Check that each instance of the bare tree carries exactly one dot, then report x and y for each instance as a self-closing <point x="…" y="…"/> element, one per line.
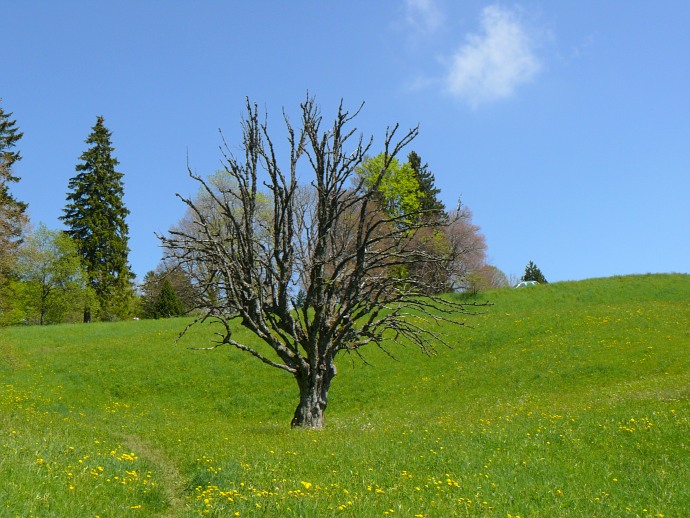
<point x="468" y="246"/>
<point x="330" y="239"/>
<point x="486" y="277"/>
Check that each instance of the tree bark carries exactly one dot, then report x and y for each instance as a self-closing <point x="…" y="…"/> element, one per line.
<point x="313" y="396"/>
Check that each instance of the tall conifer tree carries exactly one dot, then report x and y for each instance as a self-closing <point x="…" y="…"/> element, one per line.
<point x="95" y="214"/>
<point x="429" y="192"/>
<point x="13" y="216"/>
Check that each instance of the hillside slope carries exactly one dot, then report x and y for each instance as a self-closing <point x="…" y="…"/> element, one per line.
<point x="567" y="399"/>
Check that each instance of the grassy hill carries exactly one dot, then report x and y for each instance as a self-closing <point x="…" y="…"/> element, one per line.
<point x="568" y="399"/>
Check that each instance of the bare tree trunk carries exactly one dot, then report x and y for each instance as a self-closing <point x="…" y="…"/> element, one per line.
<point x="313" y="396"/>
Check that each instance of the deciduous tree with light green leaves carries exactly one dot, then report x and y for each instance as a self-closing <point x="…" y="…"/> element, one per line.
<point x="55" y="287"/>
<point x="398" y="188"/>
<point x="95" y="216"/>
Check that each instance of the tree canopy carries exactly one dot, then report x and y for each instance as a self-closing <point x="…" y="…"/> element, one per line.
<point x="396" y="186"/>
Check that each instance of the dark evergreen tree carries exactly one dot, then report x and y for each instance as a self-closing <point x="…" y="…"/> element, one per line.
<point x="149" y="291"/>
<point x="300" y="299"/>
<point x="168" y="303"/>
<point x="152" y="286"/>
<point x="429" y="199"/>
<point x="431" y="241"/>
<point x="95" y="215"/>
<point x="13" y="216"/>
<point x="533" y="273"/>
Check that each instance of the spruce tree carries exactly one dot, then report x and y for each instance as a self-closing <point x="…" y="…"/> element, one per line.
<point x="13" y="218"/>
<point x="429" y="192"/>
<point x="95" y="215"/>
<point x="168" y="303"/>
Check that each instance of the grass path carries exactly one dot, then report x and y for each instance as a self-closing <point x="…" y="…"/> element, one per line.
<point x="174" y="483"/>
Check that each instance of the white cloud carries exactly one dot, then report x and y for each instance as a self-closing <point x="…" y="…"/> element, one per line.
<point x="492" y="64"/>
<point x="423" y="15"/>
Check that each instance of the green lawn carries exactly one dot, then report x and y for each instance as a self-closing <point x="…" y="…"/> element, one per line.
<point x="568" y="399"/>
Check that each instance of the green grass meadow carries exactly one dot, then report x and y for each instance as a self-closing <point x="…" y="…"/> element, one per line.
<point x="567" y="399"/>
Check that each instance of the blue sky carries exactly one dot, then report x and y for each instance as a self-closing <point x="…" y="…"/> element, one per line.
<point x="564" y="126"/>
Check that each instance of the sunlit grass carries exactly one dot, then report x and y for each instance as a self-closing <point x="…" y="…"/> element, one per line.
<point x="568" y="399"/>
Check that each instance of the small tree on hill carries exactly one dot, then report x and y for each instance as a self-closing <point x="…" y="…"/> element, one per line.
<point x="338" y="249"/>
<point x="300" y="299"/>
<point x="95" y="216"/>
<point x="486" y="277"/>
<point x="533" y="273"/>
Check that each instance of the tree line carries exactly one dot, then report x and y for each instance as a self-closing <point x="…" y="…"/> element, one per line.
<point x="82" y="272"/>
